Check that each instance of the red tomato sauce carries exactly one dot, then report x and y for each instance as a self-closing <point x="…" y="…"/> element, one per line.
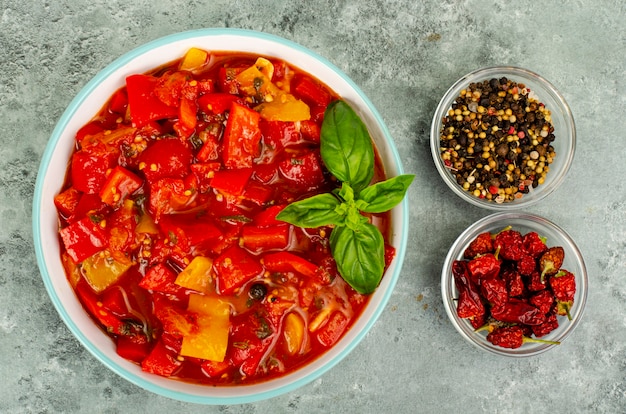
<point x="167" y="221"/>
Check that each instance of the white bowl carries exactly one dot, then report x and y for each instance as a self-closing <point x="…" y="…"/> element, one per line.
<point x="52" y="174"/>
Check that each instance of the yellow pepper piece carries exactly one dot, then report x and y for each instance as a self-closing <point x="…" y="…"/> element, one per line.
<point x="194" y="59"/>
<point x="146" y="225"/>
<point x="293" y="333"/>
<point x="253" y="82"/>
<point x="102" y="270"/>
<point x="277" y="104"/>
<point x="286" y="108"/>
<point x="197" y="275"/>
<point x="210" y="340"/>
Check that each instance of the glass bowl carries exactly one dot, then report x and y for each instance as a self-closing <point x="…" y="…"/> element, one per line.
<point x="51" y="176"/>
<point x="564" y="144"/>
<point x="524" y="223"/>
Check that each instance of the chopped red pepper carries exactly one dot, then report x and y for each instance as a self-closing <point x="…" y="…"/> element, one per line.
<point x="331" y="332"/>
<point x="196" y="229"/>
<point x="241" y="137"/>
<point x="90" y="300"/>
<point x="134" y="347"/>
<point x="161" y="361"/>
<point x="119" y="185"/>
<point x="267" y="217"/>
<point x="67" y="201"/>
<point x="265" y="238"/>
<point x="217" y="103"/>
<point x="161" y="278"/>
<point x="227" y="79"/>
<point x="234" y="267"/>
<point x="303" y="170"/>
<point x="258" y="193"/>
<point x="83" y="239"/>
<point x="145" y="106"/>
<point x="231" y="182"/>
<point x="119" y="102"/>
<point x="290" y="262"/>
<point x="168" y="195"/>
<point x="310" y="92"/>
<point x="204" y="174"/>
<point x="89" y="170"/>
<point x="187" y="119"/>
<point x="310" y="130"/>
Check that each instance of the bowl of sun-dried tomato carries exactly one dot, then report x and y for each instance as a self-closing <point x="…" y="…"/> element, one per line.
<point x="219" y="216"/>
<point x="503" y="138"/>
<point x="514" y="284"/>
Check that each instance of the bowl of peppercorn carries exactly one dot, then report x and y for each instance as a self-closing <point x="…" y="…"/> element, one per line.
<point x="503" y="138"/>
<point x="514" y="284"/>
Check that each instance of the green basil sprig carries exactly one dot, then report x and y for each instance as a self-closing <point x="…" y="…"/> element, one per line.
<point x="357" y="246"/>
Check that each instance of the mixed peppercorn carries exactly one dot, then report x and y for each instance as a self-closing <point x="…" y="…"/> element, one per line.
<point x="497" y="140"/>
<point x="513" y="286"/>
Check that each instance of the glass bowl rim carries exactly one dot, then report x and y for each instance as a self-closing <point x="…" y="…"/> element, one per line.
<point x="461" y="242"/>
<point x="483" y="73"/>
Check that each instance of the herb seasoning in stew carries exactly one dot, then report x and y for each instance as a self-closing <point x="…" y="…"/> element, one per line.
<point x="168" y="221"/>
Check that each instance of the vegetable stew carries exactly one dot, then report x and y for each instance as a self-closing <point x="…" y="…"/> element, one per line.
<point x="168" y="228"/>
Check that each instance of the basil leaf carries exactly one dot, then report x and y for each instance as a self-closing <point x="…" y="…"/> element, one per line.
<point x="384" y="195"/>
<point x="360" y="256"/>
<point x="346" y="146"/>
<point x="313" y="212"/>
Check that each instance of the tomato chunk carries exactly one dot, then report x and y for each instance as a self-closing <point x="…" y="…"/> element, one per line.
<point x="161" y="361"/>
<point x="166" y="158"/>
<point x="89" y="171"/>
<point x="234" y="267"/>
<point x="167" y="196"/>
<point x="161" y="278"/>
<point x="303" y="170"/>
<point x="196" y="229"/>
<point x="241" y="137"/>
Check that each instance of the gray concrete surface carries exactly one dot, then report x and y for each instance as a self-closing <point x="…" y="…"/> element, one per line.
<point x="404" y="54"/>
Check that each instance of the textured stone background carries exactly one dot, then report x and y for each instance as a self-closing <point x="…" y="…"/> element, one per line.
<point x="404" y="54"/>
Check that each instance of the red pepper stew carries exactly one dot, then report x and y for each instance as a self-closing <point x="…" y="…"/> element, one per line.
<point x="168" y="228"/>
